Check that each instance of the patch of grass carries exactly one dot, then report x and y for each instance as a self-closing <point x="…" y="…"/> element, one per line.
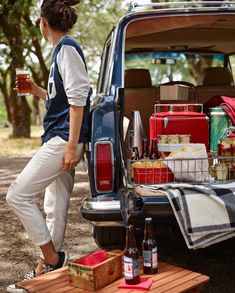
<point x="19" y="146"/>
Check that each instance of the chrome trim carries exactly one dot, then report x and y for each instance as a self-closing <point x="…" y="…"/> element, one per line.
<point x="182" y="5"/>
<point x="110" y="62"/>
<point x="95" y="165"/>
<point x="97" y="205"/>
<point x="108" y="224"/>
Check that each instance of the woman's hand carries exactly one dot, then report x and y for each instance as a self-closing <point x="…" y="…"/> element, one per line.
<point x="34" y="89"/>
<point x="70" y="158"/>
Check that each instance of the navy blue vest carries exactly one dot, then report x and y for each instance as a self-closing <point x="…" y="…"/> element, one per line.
<point x="56" y="120"/>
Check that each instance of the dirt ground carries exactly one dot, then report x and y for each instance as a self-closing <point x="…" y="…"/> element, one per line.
<point x="18" y="254"/>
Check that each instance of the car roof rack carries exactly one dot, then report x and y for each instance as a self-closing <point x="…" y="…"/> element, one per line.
<point x="134" y="6"/>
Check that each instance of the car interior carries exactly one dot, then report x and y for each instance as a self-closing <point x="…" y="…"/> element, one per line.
<point x="198" y="35"/>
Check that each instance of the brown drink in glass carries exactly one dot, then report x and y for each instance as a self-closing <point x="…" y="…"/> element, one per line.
<point x="23" y="87"/>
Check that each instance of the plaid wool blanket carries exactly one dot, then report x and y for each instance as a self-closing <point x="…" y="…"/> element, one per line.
<point x="206" y="215"/>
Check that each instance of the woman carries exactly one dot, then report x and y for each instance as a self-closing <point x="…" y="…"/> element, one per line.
<point x="65" y="131"/>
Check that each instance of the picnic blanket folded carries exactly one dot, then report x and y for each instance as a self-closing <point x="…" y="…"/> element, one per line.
<point x="206" y="215"/>
<point x="227" y="103"/>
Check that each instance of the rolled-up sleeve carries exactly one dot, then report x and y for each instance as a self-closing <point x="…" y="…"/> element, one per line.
<point x="74" y="75"/>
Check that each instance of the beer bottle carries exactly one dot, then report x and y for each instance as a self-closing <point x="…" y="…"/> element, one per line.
<point x="131" y="258"/>
<point x="149" y="248"/>
<point x="145" y="149"/>
<point x="154" y="150"/>
<point x="134" y="157"/>
<point x="135" y="154"/>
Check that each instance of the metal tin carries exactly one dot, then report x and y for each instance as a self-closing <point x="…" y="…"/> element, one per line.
<point x="221" y="171"/>
<point x="173" y="138"/>
<point x="184" y="138"/>
<point x="162" y="138"/>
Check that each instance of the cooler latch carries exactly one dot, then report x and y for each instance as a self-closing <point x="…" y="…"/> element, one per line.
<point x="165" y="121"/>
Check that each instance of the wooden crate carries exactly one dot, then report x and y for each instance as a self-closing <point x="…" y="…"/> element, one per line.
<point x="98" y="276"/>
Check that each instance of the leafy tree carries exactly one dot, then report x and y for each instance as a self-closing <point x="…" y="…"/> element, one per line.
<point x="21" y="45"/>
<point x="96" y="19"/>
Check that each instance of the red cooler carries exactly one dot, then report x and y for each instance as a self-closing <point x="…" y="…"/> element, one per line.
<point x="181" y="122"/>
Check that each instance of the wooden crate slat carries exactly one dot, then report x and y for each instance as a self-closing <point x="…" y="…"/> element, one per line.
<point x="113" y="287"/>
<point x="176" y="279"/>
<point x="191" y="284"/>
<point x="164" y="268"/>
<point x="168" y="277"/>
<point x="48" y="276"/>
<point x="77" y="290"/>
<point x="55" y="284"/>
<point x="64" y="289"/>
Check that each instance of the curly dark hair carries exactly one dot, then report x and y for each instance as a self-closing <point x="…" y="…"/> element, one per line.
<point x="59" y="14"/>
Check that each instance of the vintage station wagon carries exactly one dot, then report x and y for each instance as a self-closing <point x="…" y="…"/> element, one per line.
<point x="188" y="43"/>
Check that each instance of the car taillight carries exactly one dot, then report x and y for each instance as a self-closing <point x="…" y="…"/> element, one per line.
<point x="104" y="166"/>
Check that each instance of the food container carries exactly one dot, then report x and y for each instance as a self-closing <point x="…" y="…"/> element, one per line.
<point x="98" y="276"/>
<point x="173" y="138"/>
<point x="184" y="138"/>
<point x="162" y="138"/>
<point x="225" y="147"/>
<point x="174" y="92"/>
<point x="156" y="173"/>
<point x="221" y="171"/>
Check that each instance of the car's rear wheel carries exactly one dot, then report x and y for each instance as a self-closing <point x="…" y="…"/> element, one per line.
<point x="109" y="237"/>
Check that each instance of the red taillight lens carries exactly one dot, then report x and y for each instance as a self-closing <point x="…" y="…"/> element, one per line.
<point x="104" y="166"/>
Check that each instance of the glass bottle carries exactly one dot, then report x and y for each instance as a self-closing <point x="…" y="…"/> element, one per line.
<point x="135" y="154"/>
<point x="145" y="149"/>
<point x="149" y="248"/>
<point x="131" y="258"/>
<point x="154" y="150"/>
<point x="134" y="157"/>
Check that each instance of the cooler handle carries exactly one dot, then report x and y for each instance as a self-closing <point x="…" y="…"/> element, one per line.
<point x="171" y="109"/>
<point x="158" y="107"/>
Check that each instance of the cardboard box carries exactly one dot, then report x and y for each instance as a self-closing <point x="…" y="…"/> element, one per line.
<point x="174" y="92"/>
<point x="98" y="276"/>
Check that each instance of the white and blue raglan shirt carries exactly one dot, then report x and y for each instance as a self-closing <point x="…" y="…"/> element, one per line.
<point x="68" y="84"/>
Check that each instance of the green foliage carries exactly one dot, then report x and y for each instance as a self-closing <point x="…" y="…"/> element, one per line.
<point x="96" y="19"/>
<point x="3" y="114"/>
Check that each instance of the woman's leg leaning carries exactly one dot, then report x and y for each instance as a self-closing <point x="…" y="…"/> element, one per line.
<point x="40" y="172"/>
<point x="56" y="204"/>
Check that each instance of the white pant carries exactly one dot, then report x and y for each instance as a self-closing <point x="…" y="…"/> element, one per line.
<point x="44" y="172"/>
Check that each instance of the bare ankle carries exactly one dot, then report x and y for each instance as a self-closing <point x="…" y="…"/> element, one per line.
<point x="54" y="260"/>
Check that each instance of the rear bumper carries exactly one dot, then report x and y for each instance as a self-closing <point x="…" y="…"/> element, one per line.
<point x="136" y="208"/>
<point x="161" y="214"/>
<point x="101" y="211"/>
<point x="130" y="210"/>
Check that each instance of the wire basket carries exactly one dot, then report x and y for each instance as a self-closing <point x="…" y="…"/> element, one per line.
<point x="193" y="170"/>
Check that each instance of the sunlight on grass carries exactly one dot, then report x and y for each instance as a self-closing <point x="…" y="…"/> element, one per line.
<point x="19" y="146"/>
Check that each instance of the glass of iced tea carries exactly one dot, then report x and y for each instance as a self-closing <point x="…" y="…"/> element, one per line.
<point x="23" y="87"/>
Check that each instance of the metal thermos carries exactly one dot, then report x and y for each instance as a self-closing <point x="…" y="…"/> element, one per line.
<point x="136" y="132"/>
<point x="219" y="122"/>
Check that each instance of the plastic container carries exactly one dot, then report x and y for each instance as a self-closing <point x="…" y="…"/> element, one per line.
<point x="153" y="175"/>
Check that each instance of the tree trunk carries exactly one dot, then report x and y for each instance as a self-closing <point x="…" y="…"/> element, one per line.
<point x="20" y="117"/>
<point x="19" y="108"/>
